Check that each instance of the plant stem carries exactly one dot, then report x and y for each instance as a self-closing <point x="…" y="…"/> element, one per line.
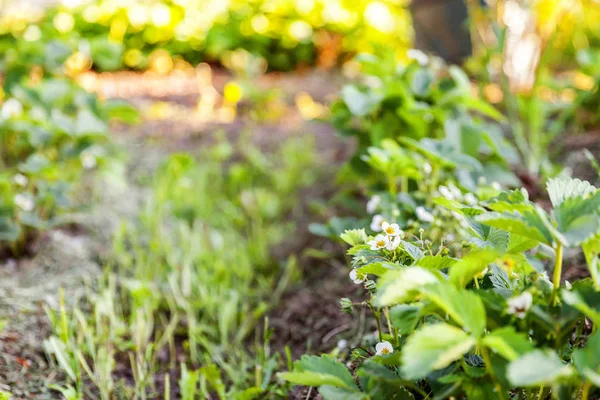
<point x="488" y="364"/>
<point x="377" y="319"/>
<point x="541" y="393"/>
<point x="557" y="273"/>
<point x="392" y="185"/>
<point x="585" y="390"/>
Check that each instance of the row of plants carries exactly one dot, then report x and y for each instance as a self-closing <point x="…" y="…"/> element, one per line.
<point x="455" y="269"/>
<point x="110" y="35"/>
<point x="188" y="282"/>
<point x="52" y="132"/>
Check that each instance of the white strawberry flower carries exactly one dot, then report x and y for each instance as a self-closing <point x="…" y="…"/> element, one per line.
<point x="470" y="199"/>
<point x="378" y="243"/>
<point x="11" y="108"/>
<point x="427" y="168"/>
<point x="392" y="242"/>
<point x="384" y="347"/>
<point x="376" y="223"/>
<point x="519" y="305"/>
<point x="354" y="277"/>
<point x="444" y="191"/>
<point x="373" y="203"/>
<point x="456" y="193"/>
<point x="20" y="180"/>
<point x="423" y="214"/>
<point x="24" y="202"/>
<point x="391" y="229"/>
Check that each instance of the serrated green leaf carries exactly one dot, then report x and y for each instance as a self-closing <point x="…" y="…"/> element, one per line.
<point x="471" y="265"/>
<point x="560" y="189"/>
<point x="380" y="383"/>
<point x="508" y="343"/>
<point x="458" y="207"/>
<point x="581" y="230"/>
<point x="378" y="268"/>
<point x="591" y="251"/>
<point x="520" y="244"/>
<point x="436" y="263"/>
<point x="537" y="368"/>
<point x="463" y="306"/>
<point x="402" y="286"/>
<point x="319" y="371"/>
<point x="516" y="224"/>
<point x="433" y="347"/>
<point x="405" y="317"/>
<point x="337" y="393"/>
<point x="573" y="208"/>
<point x="514" y="200"/>
<point x="490" y="237"/>
<point x="413" y="251"/>
<point x="354" y="236"/>
<point x="586" y="359"/>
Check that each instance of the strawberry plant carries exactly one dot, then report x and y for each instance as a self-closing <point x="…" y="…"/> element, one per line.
<point x="482" y="321"/>
<point x="50" y="133"/>
<point x="428" y="108"/>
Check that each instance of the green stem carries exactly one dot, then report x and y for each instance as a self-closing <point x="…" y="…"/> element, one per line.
<point x="557" y="273"/>
<point x="541" y="393"/>
<point x="488" y="364"/>
<point x="392" y="185"/>
<point x="585" y="390"/>
<point x="377" y="319"/>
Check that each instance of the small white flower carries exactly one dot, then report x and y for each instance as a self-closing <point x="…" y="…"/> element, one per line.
<point x="423" y="214"/>
<point x="456" y="193"/>
<point x="384" y="347"/>
<point x="444" y="191"/>
<point x="568" y="285"/>
<point x="354" y="277"/>
<point x="88" y="160"/>
<point x="24" y="202"/>
<point x="418" y="56"/>
<point x="20" y="180"/>
<point x="427" y="168"/>
<point x="496" y="186"/>
<point x="342" y="344"/>
<point x="376" y="223"/>
<point x="373" y="203"/>
<point x="378" y="243"/>
<point x="392" y="242"/>
<point x="470" y="199"/>
<point x="481" y="181"/>
<point x="11" y="108"/>
<point x="391" y="229"/>
<point x="519" y="305"/>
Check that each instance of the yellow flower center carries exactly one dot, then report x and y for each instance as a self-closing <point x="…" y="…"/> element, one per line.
<point x="380" y="243"/>
<point x="385" y="350"/>
<point x="389" y="230"/>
